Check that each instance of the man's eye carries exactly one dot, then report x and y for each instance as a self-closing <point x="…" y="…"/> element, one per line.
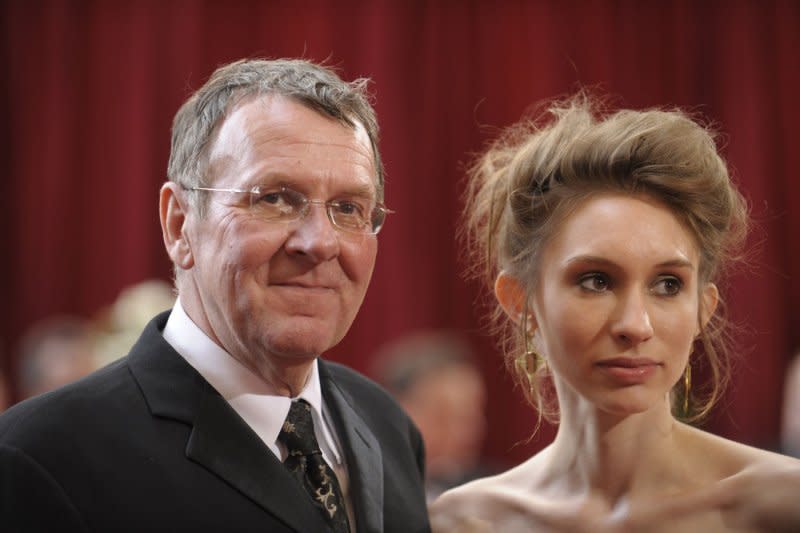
<point x="273" y="198"/>
<point x="594" y="282"/>
<point x="350" y="208"/>
<point x="285" y="198"/>
<point x="668" y="286"/>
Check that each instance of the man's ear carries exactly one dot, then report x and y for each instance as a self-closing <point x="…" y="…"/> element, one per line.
<point x="173" y="226"/>
<point x="511" y="295"/>
<point x="708" y="303"/>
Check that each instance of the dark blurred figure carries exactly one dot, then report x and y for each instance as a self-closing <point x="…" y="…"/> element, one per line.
<point x="790" y="431"/>
<point x="433" y="376"/>
<point x="54" y="352"/>
<point x="4" y="396"/>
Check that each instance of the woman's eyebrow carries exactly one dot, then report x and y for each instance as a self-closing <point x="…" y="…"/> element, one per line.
<point x="590" y="259"/>
<point x="678" y="262"/>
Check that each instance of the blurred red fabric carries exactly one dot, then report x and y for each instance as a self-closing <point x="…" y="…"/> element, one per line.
<point x="90" y="87"/>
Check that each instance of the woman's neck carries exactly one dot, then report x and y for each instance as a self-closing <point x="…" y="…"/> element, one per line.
<point x="613" y="458"/>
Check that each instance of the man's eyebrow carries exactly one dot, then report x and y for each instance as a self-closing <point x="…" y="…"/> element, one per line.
<point x="362" y="190"/>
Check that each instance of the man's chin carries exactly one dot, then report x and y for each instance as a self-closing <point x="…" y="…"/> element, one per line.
<point x="301" y="343"/>
<point x="296" y="335"/>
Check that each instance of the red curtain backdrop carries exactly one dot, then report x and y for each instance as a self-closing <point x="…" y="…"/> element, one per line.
<point x="90" y="87"/>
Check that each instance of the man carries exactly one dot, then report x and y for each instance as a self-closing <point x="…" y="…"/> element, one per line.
<point x="269" y="216"/>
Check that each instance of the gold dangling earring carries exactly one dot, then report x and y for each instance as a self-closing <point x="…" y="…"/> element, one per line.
<point x="687" y="388"/>
<point x="531" y="355"/>
<point x="528" y="362"/>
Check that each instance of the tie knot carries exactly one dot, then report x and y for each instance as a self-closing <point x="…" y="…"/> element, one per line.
<point x="297" y="433"/>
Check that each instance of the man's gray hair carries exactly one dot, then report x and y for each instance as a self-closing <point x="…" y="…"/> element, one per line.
<point x="312" y="85"/>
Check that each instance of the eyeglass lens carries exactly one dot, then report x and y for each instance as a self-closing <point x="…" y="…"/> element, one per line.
<point x="288" y="204"/>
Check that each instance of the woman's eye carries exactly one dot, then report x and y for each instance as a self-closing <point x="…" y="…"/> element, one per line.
<point x="594" y="282"/>
<point x="668" y="286"/>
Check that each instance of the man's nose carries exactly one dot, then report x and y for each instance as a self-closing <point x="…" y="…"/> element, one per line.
<point x="631" y="322"/>
<point x="313" y="235"/>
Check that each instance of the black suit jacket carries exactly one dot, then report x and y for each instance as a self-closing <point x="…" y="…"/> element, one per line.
<point x="146" y="444"/>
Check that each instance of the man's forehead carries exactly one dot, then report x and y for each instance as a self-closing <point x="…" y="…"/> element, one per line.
<point x="291" y="124"/>
<point x="276" y="139"/>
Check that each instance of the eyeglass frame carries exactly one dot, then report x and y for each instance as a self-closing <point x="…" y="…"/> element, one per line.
<point x="256" y="192"/>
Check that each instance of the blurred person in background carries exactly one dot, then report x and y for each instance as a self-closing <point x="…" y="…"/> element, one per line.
<point x="119" y="325"/>
<point x="434" y="377"/>
<point x="64" y="348"/>
<point x="790" y="429"/>
<point x="5" y="397"/>
<point x="54" y="352"/>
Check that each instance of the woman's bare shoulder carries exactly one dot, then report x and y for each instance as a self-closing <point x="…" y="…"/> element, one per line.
<point x="732" y="457"/>
<point x="476" y="507"/>
<point x="474" y="495"/>
<point x="757" y="489"/>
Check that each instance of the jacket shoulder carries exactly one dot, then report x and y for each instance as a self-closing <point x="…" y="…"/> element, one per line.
<point x="67" y="410"/>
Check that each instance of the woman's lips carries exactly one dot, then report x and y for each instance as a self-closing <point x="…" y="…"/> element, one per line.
<point x="628" y="370"/>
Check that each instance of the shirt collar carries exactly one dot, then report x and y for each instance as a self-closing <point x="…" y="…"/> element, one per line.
<point x="251" y="397"/>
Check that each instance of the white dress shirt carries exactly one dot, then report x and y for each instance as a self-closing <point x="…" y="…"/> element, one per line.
<point x="254" y="399"/>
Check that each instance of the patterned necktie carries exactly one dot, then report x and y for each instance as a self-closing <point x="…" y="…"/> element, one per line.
<point x="305" y="462"/>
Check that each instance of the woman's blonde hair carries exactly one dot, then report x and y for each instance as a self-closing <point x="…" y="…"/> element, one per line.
<point x="540" y="170"/>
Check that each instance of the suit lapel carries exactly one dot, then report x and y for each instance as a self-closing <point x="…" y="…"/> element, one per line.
<point x="220" y="440"/>
<point x="223" y="443"/>
<point x="363" y="453"/>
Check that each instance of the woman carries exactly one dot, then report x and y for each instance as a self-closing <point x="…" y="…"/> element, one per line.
<point x="603" y="236"/>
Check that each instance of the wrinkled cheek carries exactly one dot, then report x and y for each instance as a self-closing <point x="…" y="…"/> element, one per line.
<point x="358" y="268"/>
<point x="249" y="255"/>
<point x="357" y="259"/>
<point x="344" y="316"/>
<point x="235" y="282"/>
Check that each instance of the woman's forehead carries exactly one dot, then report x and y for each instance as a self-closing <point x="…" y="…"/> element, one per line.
<point x="621" y="227"/>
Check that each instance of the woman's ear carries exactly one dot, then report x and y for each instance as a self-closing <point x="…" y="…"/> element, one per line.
<point x="708" y="303"/>
<point x="511" y="295"/>
<point x="173" y="226"/>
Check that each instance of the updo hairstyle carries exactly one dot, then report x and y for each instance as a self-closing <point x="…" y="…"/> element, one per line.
<point x="537" y="173"/>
